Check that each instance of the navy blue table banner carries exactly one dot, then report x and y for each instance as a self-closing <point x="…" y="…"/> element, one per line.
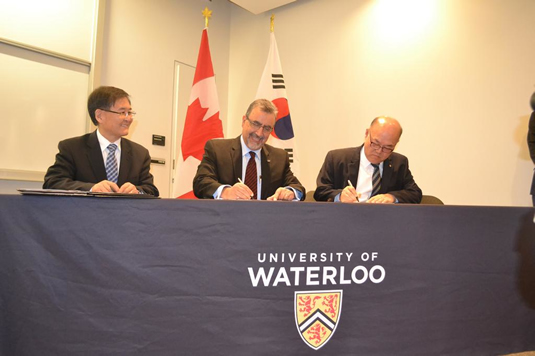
<point x="94" y="276"/>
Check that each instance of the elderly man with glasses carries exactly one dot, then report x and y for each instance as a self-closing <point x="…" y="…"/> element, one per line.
<point x="370" y="173"/>
<point x="104" y="161"/>
<point x="246" y="167"/>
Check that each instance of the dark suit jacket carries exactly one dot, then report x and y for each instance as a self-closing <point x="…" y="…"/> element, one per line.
<point x="222" y="164"/>
<point x="79" y="165"/>
<point x="531" y="145"/>
<point x="343" y="164"/>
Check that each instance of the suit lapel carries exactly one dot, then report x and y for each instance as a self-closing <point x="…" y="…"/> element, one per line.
<point x="353" y="168"/>
<point x="126" y="161"/>
<point x="94" y="157"/>
<point x="265" y="162"/>
<point x="387" y="175"/>
<point x="236" y="158"/>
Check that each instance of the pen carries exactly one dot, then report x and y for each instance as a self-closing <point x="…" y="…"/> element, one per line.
<point x="351" y="185"/>
<point x="239" y="180"/>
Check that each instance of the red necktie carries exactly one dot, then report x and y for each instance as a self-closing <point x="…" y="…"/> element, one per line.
<point x="250" y="174"/>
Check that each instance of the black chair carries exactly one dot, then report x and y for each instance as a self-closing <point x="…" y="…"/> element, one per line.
<point x="430" y="199"/>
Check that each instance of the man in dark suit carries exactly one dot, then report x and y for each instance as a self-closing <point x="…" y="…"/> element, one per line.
<point x="224" y="171"/>
<point x="370" y="173"/>
<point x="80" y="163"/>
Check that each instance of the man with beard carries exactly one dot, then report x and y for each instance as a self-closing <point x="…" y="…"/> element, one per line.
<point x="245" y="167"/>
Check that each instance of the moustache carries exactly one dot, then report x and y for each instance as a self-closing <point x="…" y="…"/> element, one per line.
<point x="255" y="136"/>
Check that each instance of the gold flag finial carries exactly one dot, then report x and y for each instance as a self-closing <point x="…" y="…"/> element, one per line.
<point x="207" y="14"/>
<point x="272" y="27"/>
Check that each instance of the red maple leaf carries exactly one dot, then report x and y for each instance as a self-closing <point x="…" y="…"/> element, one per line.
<point x="197" y="132"/>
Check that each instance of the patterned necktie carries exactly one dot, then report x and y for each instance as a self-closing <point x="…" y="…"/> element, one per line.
<point x="376" y="180"/>
<point x="111" y="164"/>
<point x="251" y="175"/>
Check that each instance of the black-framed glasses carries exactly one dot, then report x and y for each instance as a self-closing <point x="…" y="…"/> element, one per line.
<point x="122" y="114"/>
<point x="256" y="125"/>
<point x="377" y="146"/>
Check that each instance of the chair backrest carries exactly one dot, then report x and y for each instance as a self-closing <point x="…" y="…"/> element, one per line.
<point x="430" y="199"/>
<point x="310" y="195"/>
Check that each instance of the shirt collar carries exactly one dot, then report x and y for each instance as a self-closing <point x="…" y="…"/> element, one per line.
<point x="104" y="143"/>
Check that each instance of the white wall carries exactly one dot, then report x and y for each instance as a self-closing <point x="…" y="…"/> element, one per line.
<point x="45" y="56"/>
<point x="458" y="75"/>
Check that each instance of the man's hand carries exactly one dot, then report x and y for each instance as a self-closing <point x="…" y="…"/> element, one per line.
<point x="238" y="191"/>
<point x="105" y="186"/>
<point x="382" y="199"/>
<point x="349" y="195"/>
<point x="128" y="188"/>
<point x="282" y="194"/>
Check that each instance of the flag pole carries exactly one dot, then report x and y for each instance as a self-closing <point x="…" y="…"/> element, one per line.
<point x="206" y="14"/>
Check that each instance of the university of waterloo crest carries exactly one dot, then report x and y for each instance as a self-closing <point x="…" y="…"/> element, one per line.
<point x="316" y="315"/>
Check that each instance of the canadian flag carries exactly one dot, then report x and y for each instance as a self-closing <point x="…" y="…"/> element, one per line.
<point x="202" y="122"/>
<point x="273" y="87"/>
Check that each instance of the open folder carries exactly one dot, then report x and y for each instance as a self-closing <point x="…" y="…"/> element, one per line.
<point x="81" y="193"/>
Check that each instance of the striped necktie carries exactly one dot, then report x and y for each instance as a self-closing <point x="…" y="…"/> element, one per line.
<point x="251" y="177"/>
<point x="376" y="180"/>
<point x="112" y="172"/>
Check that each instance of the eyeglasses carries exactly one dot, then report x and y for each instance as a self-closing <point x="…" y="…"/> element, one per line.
<point x="256" y="125"/>
<point x="377" y="146"/>
<point x="123" y="114"/>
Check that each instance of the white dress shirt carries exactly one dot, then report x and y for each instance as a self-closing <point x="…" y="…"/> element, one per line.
<point x="104" y="143"/>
